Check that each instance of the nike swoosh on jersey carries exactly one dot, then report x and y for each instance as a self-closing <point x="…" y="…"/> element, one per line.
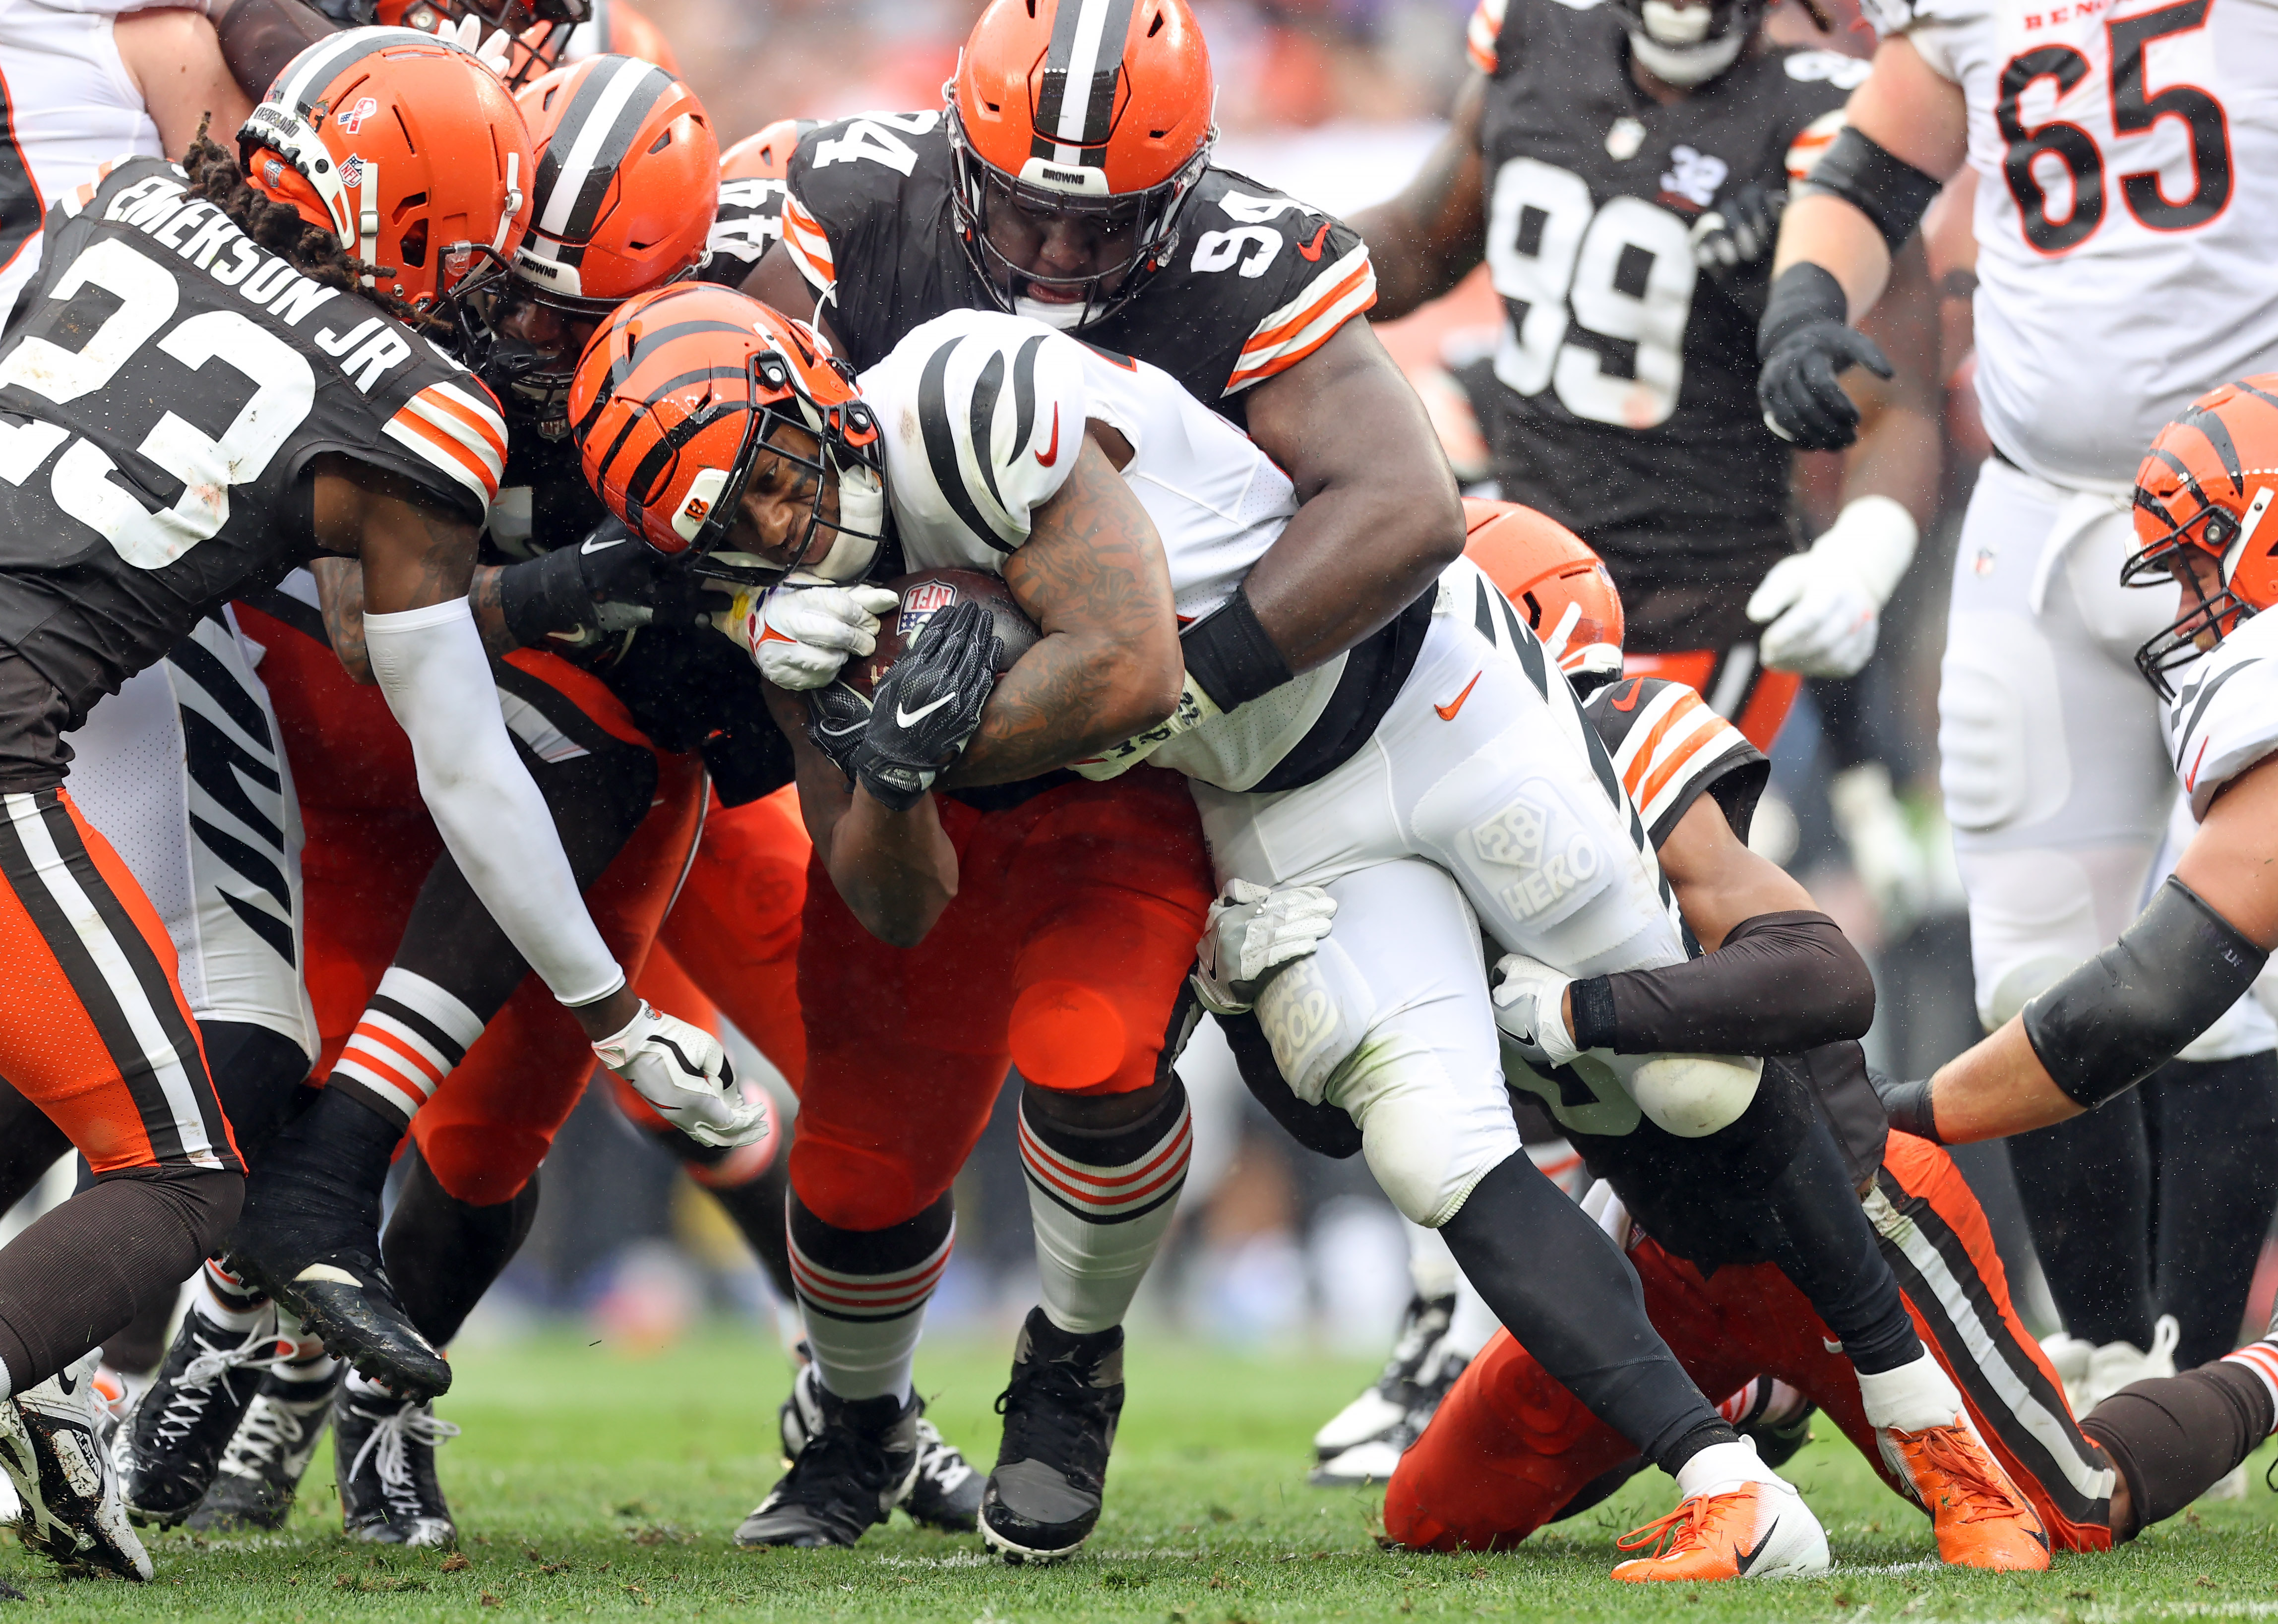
<point x="1448" y="710"/>
<point x="1628" y="701"/>
<point x="1050" y="454"/>
<point x="603" y="546"/>
<point x="1312" y="250"/>
<point x="910" y="719"/>
<point x="2192" y="781"/>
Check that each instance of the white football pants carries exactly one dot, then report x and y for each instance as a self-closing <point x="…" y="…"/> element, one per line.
<point x="2055" y="776"/>
<point x="1476" y="804"/>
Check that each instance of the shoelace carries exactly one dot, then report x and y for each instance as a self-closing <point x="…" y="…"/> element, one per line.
<point x="836" y="1456"/>
<point x="194" y="1389"/>
<point x="1677" y="1533"/>
<point x="269" y="1431"/>
<point x="1981" y="1496"/>
<point x="389" y="1450"/>
<point x="1057" y="1425"/>
<point x="938" y="1462"/>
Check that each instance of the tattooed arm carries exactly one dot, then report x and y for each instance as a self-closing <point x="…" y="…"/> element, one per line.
<point x="340" y="599"/>
<point x="1426" y="240"/>
<point x="1091" y="575"/>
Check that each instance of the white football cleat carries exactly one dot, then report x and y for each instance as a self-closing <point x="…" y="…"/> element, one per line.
<point x="1380" y="1409"/>
<point x="50" y="1445"/>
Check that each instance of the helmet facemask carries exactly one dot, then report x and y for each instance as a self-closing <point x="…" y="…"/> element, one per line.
<point x="2212" y="533"/>
<point x="1687" y="46"/>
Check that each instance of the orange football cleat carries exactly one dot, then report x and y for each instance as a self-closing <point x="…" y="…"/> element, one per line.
<point x="1754" y="1530"/>
<point x="1982" y="1520"/>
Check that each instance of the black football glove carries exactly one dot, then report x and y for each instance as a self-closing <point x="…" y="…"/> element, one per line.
<point x="1805" y="343"/>
<point x="607" y="582"/>
<point x="1732" y="243"/>
<point x="837" y="719"/>
<point x="929" y="704"/>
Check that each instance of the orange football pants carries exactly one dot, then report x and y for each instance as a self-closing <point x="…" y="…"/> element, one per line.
<point x="1509" y="1447"/>
<point x="1063" y="954"/>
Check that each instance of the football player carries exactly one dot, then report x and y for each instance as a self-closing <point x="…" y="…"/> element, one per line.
<point x="1069" y="178"/>
<point x="353" y="420"/>
<point x="1620" y="169"/>
<point x="1400" y="1033"/>
<point x="2119" y="210"/>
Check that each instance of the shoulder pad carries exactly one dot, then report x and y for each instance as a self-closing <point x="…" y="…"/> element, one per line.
<point x="750" y="218"/>
<point x="1289" y="274"/>
<point x="2224" y="719"/>
<point x="1667" y="747"/>
<point x="843" y="174"/>
<point x="983" y="414"/>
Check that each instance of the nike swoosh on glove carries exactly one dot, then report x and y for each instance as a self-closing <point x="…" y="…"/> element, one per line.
<point x="799" y="632"/>
<point x="929" y="706"/>
<point x="682" y="1071"/>
<point x="1529" y="1008"/>
<point x="839" y="723"/>
<point x="1251" y="931"/>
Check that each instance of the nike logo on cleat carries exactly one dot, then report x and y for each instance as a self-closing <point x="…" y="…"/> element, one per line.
<point x="1448" y="710"/>
<point x="1746" y="1560"/>
<point x="910" y="719"/>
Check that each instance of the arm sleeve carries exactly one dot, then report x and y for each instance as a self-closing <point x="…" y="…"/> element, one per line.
<point x="430" y="664"/>
<point x="1781" y="984"/>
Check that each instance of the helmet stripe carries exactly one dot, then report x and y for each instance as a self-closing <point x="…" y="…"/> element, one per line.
<point x="1075" y="104"/>
<point x="2217" y="435"/>
<point x="322" y="64"/>
<point x="594" y="136"/>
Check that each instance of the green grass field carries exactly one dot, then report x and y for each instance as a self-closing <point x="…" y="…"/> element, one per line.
<point x="590" y="1484"/>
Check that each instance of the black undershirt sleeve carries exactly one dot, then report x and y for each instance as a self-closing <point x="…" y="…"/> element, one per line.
<point x="1781" y="983"/>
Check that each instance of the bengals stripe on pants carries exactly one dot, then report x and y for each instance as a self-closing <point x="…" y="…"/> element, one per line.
<point x="95" y="1030"/>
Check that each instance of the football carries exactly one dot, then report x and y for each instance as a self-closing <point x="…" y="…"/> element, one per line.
<point x="926" y="593"/>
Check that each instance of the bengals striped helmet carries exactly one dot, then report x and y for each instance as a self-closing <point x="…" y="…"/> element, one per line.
<point x="684" y="391"/>
<point x="1553" y="578"/>
<point x="2203" y="499"/>
<point x="1095" y="110"/>
<point x="405" y="148"/>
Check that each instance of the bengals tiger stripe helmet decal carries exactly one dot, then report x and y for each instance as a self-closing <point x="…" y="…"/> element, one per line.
<point x="2204" y="490"/>
<point x="1091" y="107"/>
<point x="1554" y="579"/>
<point x="684" y="389"/>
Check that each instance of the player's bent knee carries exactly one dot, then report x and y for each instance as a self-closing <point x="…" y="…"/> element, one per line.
<point x="1426" y="1151"/>
<point x="1067" y="1035"/>
<point x="849" y="1190"/>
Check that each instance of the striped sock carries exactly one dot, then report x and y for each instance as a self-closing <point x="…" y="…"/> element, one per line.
<point x="1102" y="1202"/>
<point x="2262" y="1358"/>
<point x="864" y="1294"/>
<point x="225" y="1300"/>
<point x="412" y="1034"/>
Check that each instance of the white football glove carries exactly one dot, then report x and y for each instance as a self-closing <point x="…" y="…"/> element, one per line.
<point x="1530" y="1007"/>
<point x="800" y="631"/>
<point x="1251" y="931"/>
<point x="683" y="1072"/>
<point x="494" y="53"/>
<point x="1821" y="609"/>
<point x="1194" y="708"/>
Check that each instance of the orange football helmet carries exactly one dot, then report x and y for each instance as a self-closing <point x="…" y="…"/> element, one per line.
<point x="766" y="156"/>
<point x="1099" y="109"/>
<point x="2205" y="489"/>
<point x="684" y="388"/>
<point x="408" y="150"/>
<point x="1554" y="579"/>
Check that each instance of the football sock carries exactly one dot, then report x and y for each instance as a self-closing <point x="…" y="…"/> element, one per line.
<point x="1102" y="1199"/>
<point x="2086" y="1184"/>
<point x="2262" y="1358"/>
<point x="1472" y="1323"/>
<point x="1914" y="1398"/>
<point x="1828" y="1250"/>
<point x="316" y="1192"/>
<point x="442" y="1253"/>
<point x="2212" y="1128"/>
<point x="2175" y="1436"/>
<point x="307" y="1362"/>
<point x="1430" y="1266"/>
<point x="1717" y="1467"/>
<point x="1567" y="1293"/>
<point x="227" y="1301"/>
<point x="864" y="1294"/>
<point x="88" y="1267"/>
<point x="410" y="1036"/>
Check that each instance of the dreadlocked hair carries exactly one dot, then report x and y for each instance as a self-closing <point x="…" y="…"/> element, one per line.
<point x="217" y="175"/>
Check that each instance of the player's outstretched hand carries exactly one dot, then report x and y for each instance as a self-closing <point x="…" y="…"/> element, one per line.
<point x="1807" y="345"/>
<point x="929" y="706"/>
<point x="1530" y="1007"/>
<point x="683" y="1072"/>
<point x="1252" y="931"/>
<point x="800" y="631"/>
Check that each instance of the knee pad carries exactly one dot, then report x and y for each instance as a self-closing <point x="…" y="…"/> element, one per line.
<point x="1314" y="1015"/>
<point x="2036" y="913"/>
<point x="1426" y="1151"/>
<point x="2002" y="756"/>
<point x="1067" y="1035"/>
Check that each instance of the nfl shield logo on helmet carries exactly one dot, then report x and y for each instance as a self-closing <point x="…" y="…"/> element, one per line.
<point x="920" y="602"/>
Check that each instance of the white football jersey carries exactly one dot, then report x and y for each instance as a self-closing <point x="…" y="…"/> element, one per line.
<point x="2127" y="221"/>
<point x="983" y="413"/>
<point x="67" y="107"/>
<point x="2224" y="716"/>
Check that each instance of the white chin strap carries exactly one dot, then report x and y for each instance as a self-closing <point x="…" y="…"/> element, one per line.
<point x="862" y="514"/>
<point x="1686" y="66"/>
<point x="1066" y="318"/>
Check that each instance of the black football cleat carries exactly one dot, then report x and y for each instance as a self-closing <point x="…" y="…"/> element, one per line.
<point x="945" y="1494"/>
<point x="858" y="1462"/>
<point x="1042" y="1501"/>
<point x="262" y="1468"/>
<point x="171" y="1443"/>
<point x="67" y="1493"/>
<point x="384" y="1459"/>
<point x="344" y="1299"/>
